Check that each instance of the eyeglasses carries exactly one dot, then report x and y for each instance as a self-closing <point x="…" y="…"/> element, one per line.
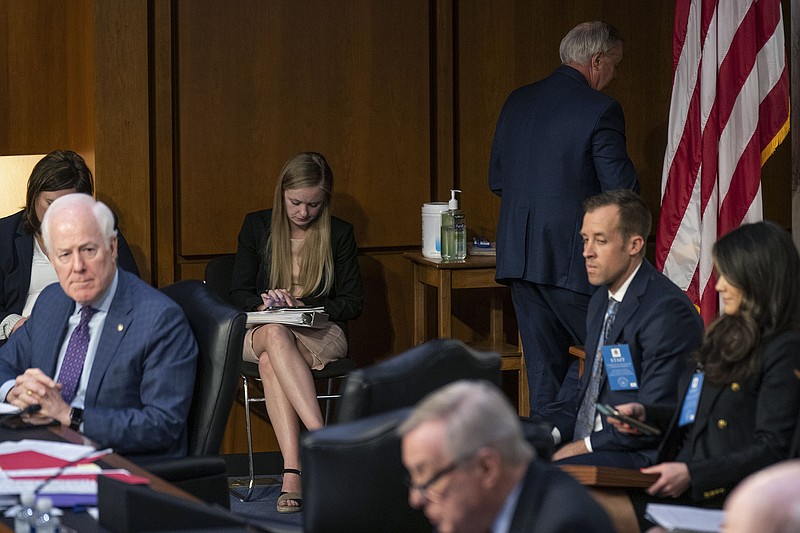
<point x="424" y="488"/>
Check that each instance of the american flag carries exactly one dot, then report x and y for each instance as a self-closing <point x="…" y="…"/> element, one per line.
<point x="729" y="111"/>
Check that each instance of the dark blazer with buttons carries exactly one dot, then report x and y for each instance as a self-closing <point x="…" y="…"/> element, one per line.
<point x="553" y="502"/>
<point x="662" y="329"/>
<point x="16" y="258"/>
<point x="740" y="427"/>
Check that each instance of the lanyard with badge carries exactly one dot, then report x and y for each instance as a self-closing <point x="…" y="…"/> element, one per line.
<point x="619" y="367"/>
<point x="692" y="398"/>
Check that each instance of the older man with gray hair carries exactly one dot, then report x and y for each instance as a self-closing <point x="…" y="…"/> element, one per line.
<point x="558" y="142"/>
<point x="102" y="352"/>
<point x="471" y="469"/>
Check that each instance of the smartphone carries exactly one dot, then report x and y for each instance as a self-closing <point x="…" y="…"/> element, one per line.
<point x="647" y="429"/>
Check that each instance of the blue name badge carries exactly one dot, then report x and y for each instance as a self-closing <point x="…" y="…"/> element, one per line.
<point x="619" y="367"/>
<point x="691" y="400"/>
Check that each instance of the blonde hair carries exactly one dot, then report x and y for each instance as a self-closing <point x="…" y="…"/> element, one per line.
<point x="308" y="169"/>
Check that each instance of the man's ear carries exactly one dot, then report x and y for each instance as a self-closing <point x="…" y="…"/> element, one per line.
<point x="635" y="244"/>
<point x="112" y="245"/>
<point x="596" y="58"/>
<point x="490" y="464"/>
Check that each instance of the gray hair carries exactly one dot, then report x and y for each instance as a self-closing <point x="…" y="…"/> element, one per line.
<point x="585" y="40"/>
<point x="476" y="415"/>
<point x="77" y="203"/>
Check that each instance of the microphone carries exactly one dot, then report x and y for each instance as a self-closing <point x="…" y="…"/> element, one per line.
<point x="61" y="469"/>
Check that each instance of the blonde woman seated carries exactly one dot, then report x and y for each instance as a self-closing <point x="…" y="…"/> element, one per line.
<point x="296" y="254"/>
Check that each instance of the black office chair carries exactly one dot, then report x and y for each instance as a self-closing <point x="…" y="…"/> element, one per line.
<point x="405" y="379"/>
<point x="353" y="478"/>
<point x="219" y="330"/>
<point x="218" y="275"/>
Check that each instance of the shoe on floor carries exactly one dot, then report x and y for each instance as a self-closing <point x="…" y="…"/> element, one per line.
<point x="287" y="496"/>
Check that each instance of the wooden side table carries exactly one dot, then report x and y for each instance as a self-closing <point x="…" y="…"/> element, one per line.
<point x="475" y="272"/>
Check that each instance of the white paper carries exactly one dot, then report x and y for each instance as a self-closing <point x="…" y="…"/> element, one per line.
<point x="684" y="518"/>
<point x="61" y="450"/>
<point x="8" y="409"/>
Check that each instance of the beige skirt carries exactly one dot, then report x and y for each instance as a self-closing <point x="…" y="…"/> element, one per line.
<point x="325" y="345"/>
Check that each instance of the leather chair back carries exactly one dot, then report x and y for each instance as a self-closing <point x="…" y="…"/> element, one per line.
<point x="405" y="379"/>
<point x="218" y="275"/>
<point x="219" y="330"/>
<point x="353" y="478"/>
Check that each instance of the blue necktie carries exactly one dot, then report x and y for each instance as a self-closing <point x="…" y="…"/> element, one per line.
<point x="584" y="423"/>
<point x="72" y="366"/>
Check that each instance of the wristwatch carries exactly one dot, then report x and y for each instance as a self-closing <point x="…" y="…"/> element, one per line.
<point x="75" y="418"/>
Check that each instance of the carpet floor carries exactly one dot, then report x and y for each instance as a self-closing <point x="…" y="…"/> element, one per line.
<point x="261" y="509"/>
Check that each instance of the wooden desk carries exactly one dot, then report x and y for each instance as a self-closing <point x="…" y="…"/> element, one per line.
<point x="115" y="460"/>
<point x="475" y="272"/>
<point x="82" y="521"/>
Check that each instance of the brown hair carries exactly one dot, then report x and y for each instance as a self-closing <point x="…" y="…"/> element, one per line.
<point x="57" y="171"/>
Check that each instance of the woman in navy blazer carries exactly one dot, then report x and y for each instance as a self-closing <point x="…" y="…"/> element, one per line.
<point x="745" y="371"/>
<point x="56" y="174"/>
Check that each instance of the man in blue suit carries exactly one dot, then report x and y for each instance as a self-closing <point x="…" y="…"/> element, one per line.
<point x="639" y="322"/>
<point x="102" y="352"/>
<point x="558" y="141"/>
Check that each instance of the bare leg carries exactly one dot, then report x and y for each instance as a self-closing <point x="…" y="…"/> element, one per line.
<point x="289" y="392"/>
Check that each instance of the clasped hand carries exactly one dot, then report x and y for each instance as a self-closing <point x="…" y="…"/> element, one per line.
<point x="34" y="387"/>
<point x="279" y="298"/>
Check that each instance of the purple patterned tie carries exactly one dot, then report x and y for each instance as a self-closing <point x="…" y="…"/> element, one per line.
<point x="72" y="366"/>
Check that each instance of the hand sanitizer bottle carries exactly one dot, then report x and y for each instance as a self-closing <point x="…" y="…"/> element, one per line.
<point x="454" y="231"/>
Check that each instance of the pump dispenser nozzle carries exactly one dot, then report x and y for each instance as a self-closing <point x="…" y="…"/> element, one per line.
<point x="453" y="203"/>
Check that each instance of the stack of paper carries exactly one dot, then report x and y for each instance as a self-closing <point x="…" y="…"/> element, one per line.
<point x="684" y="518"/>
<point x="65" y="472"/>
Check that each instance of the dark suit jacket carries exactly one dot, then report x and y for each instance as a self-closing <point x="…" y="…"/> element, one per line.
<point x="662" y="329"/>
<point x="557" y="142"/>
<point x="142" y="378"/>
<point x="740" y="427"/>
<point x="553" y="502"/>
<point x="16" y="257"/>
<point x="251" y="272"/>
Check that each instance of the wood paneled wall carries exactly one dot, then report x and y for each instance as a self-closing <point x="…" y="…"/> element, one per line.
<point x="188" y="109"/>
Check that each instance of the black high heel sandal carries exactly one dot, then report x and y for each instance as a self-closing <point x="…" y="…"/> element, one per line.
<point x="290" y="496"/>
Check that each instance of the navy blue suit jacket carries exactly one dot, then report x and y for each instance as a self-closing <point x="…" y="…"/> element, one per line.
<point x="557" y="142"/>
<point x="553" y="502"/>
<point x="662" y="329"/>
<point x="141" y="383"/>
<point x="16" y="256"/>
